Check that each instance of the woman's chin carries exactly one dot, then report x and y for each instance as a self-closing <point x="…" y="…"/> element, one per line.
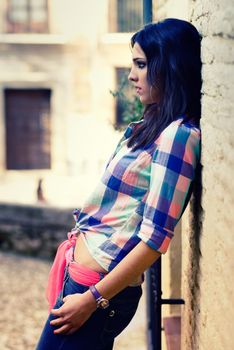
<point x="143" y="100"/>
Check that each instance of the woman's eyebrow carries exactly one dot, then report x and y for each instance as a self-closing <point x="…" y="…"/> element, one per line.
<point x="138" y="58"/>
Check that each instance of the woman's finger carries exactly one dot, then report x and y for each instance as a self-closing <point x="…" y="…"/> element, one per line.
<point x="63" y="330"/>
<point x="57" y="322"/>
<point x="56" y="312"/>
<point x="66" y="298"/>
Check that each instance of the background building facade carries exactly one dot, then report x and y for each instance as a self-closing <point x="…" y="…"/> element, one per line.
<point x="59" y="63"/>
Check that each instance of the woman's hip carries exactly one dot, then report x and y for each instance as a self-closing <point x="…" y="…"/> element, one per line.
<point x="104" y="324"/>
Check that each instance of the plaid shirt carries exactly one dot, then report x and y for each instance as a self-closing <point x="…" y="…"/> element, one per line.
<point x="141" y="194"/>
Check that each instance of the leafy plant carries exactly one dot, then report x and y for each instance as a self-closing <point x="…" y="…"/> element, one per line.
<point x="131" y="106"/>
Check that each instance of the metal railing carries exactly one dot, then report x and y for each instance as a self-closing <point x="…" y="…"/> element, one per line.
<point x="154" y="306"/>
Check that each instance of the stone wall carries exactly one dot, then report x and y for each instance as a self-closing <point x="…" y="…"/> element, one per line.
<point x="207" y="255"/>
<point x="33" y="231"/>
<point x="212" y="316"/>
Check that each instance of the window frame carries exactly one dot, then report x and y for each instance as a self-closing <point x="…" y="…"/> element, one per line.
<point x="114" y="20"/>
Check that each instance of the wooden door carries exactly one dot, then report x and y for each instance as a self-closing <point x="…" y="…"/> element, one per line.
<point x="27" y="120"/>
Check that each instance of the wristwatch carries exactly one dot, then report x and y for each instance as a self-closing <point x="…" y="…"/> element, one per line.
<point x="101" y="302"/>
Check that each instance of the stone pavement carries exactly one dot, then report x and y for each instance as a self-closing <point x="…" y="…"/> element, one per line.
<point x="23" y="308"/>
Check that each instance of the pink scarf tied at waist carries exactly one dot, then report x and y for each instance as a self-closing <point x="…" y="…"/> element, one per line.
<point x="78" y="272"/>
<point x="63" y="256"/>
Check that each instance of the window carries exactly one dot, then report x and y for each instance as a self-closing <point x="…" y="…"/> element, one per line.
<point x="128" y="105"/>
<point x="27" y="16"/>
<point x="125" y="15"/>
<point x="121" y="74"/>
<point x="27" y="120"/>
<point x="124" y="94"/>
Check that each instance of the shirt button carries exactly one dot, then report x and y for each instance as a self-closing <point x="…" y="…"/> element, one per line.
<point x="112" y="313"/>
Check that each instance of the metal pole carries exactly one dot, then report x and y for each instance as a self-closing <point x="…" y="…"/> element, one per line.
<point x="153" y="275"/>
<point x="147" y="11"/>
<point x="153" y="304"/>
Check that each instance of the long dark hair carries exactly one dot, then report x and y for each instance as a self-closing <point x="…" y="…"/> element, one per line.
<point x="172" y="49"/>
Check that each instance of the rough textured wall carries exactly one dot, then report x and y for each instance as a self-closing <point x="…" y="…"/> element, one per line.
<point x="208" y="281"/>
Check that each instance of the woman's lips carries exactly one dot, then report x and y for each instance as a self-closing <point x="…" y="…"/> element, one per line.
<point x="138" y="90"/>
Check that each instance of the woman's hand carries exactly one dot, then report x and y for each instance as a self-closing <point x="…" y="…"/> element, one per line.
<point x="75" y="311"/>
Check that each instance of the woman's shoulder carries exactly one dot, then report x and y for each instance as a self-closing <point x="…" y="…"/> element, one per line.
<point x="177" y="137"/>
<point x="181" y="130"/>
<point x="179" y="140"/>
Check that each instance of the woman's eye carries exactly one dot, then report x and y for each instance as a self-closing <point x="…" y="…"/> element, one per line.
<point x="141" y="65"/>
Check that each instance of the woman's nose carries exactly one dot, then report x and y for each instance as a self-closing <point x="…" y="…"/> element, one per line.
<point x="132" y="76"/>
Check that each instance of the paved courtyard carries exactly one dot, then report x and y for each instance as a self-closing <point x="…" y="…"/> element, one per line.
<point x="23" y="307"/>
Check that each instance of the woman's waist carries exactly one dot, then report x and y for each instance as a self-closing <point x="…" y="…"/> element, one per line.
<point x="83" y="257"/>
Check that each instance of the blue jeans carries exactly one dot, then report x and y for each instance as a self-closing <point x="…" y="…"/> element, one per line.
<point x="99" y="331"/>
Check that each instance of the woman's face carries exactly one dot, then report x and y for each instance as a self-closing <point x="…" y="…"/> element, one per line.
<point x="138" y="76"/>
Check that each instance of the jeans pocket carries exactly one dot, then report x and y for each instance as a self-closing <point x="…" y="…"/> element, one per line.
<point x="117" y="321"/>
<point x="121" y="312"/>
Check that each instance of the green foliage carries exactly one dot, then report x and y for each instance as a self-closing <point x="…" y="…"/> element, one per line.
<point x="130" y="103"/>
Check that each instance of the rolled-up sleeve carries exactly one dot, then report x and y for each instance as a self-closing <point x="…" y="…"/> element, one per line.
<point x="172" y="171"/>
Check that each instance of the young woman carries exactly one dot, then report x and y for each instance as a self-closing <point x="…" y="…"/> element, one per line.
<point x="129" y="220"/>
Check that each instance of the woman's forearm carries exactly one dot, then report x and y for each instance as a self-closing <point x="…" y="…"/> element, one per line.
<point x="134" y="264"/>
